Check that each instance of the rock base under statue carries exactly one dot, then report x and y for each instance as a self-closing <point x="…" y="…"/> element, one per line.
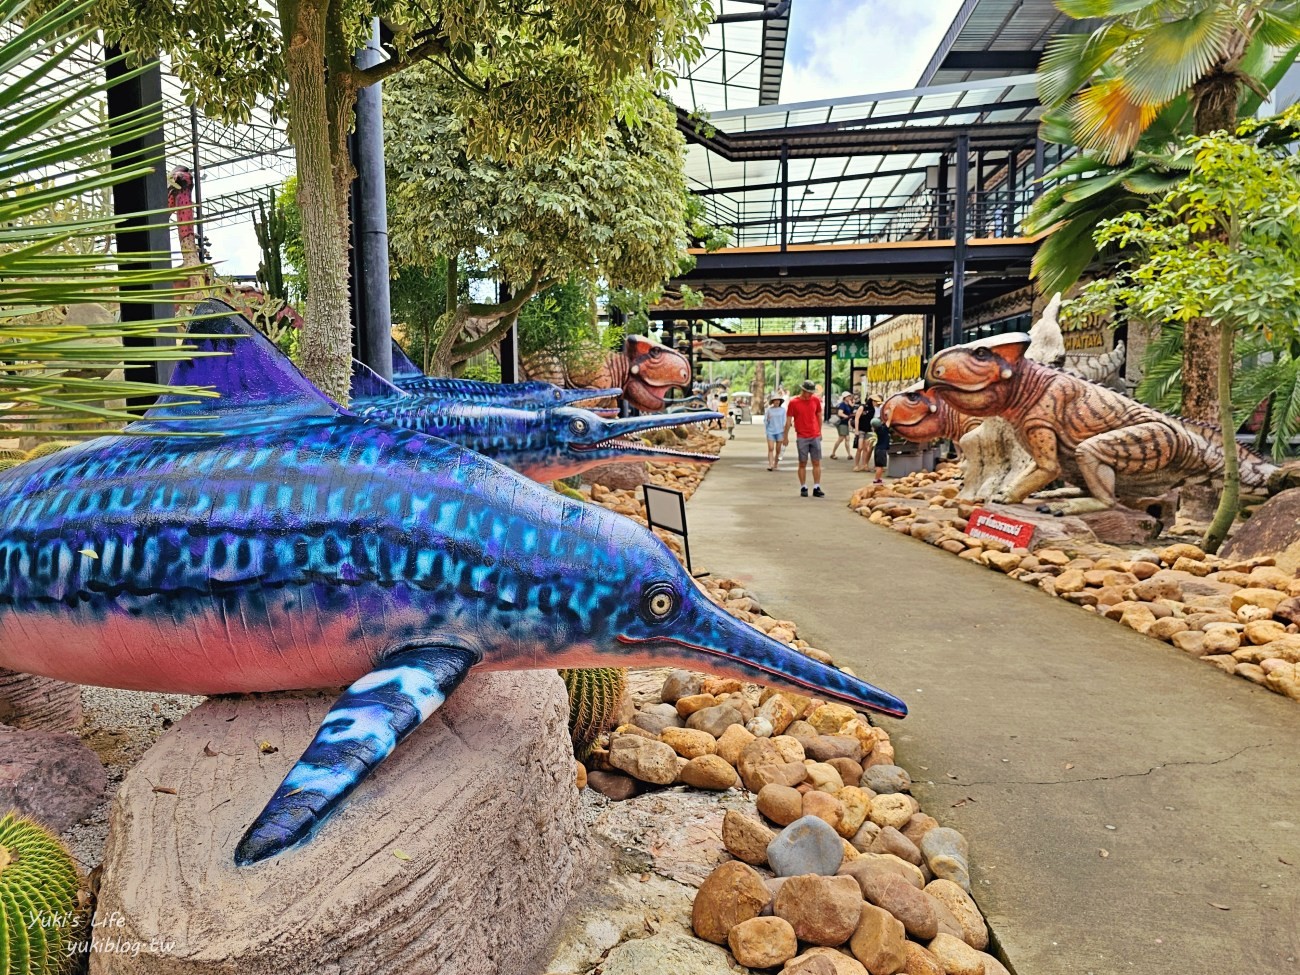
<point x="1114" y="526"/>
<point x="455" y="856"/>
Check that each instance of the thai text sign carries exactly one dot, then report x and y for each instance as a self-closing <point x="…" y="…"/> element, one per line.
<point x="896" y="350"/>
<point x="999" y="527"/>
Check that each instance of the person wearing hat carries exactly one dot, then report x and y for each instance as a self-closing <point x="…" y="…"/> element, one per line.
<point x="774" y="426"/>
<point x="843" y="419"/>
<point x="805" y="414"/>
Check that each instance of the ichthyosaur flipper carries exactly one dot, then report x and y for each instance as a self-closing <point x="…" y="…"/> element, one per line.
<point x="360" y="731"/>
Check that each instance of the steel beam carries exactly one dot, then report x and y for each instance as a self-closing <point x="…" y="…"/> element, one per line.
<point x="959" y="240"/>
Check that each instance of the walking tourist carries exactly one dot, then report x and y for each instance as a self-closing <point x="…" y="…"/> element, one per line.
<point x="774" y="427"/>
<point x="864" y="440"/>
<point x="728" y="421"/>
<point x="805" y="414"/>
<point x="881" y="457"/>
<point x="844" y="410"/>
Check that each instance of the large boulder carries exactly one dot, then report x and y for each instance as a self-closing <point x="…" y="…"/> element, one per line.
<point x="457" y="854"/>
<point x="38" y="703"/>
<point x="49" y="776"/>
<point x="1274" y="529"/>
<point x="622" y="476"/>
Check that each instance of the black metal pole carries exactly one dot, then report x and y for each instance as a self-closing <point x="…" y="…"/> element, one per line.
<point x="201" y="245"/>
<point x="371" y="302"/>
<point x="785" y="196"/>
<point x="959" y="240"/>
<point x="143" y="242"/>
<point x="508" y="350"/>
<point x="826" y="398"/>
<point x="1040" y="165"/>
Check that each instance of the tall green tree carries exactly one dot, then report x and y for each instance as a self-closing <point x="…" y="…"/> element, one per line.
<point x="532" y="78"/>
<point x="612" y="207"/>
<point x="1107" y="88"/>
<point x="1222" y="246"/>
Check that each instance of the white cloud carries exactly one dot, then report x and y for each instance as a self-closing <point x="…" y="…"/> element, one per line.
<point x="841" y="48"/>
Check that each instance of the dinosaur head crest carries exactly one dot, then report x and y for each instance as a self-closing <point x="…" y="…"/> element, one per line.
<point x="975" y="378"/>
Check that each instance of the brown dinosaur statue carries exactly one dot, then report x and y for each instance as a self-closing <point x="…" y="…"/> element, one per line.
<point x="920" y="416"/>
<point x="644" y="369"/>
<point x="1095" y="438"/>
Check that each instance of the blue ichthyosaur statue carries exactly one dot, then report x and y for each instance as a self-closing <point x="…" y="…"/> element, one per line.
<point x="297" y="545"/>
<point x="542" y="444"/>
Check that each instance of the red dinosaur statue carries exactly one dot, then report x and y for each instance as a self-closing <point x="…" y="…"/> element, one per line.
<point x="1093" y="437"/>
<point x="920" y="416"/>
<point x="644" y="369"/>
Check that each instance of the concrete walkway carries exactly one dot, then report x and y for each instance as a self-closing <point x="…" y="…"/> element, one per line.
<point x="1129" y="809"/>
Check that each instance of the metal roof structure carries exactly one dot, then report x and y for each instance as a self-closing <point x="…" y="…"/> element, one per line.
<point x="995" y="38"/>
<point x="744" y="57"/>
<point x="854" y="169"/>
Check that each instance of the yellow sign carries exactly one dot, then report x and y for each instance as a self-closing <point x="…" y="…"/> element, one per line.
<point x="896" y="350"/>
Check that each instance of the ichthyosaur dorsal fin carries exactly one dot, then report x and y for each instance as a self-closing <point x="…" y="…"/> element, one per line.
<point x="250" y="374"/>
<point x="368" y="384"/>
<point x="403" y="367"/>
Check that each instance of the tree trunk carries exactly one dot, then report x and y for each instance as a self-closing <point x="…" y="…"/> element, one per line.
<point x="326" y="341"/>
<point x="1228" y="500"/>
<point x="758" y="387"/>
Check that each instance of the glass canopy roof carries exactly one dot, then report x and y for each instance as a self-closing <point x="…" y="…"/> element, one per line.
<point x="832" y="190"/>
<point x="744" y="54"/>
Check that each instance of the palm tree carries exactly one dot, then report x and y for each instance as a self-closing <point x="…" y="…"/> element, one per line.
<point x="1164" y="60"/>
<point x="54" y="249"/>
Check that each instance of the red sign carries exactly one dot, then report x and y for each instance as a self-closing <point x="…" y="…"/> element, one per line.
<point x="999" y="527"/>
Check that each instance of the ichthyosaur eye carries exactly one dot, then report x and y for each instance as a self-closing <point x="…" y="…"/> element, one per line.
<point x="578" y="425"/>
<point x="659" y="602"/>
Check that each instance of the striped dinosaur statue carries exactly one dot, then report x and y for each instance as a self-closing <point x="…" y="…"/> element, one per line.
<point x="543" y="445"/>
<point x="1095" y="438"/>
<point x="275" y="541"/>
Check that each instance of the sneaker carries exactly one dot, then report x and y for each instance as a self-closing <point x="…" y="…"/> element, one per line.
<point x="877" y="481"/>
<point x="818" y="493"/>
<point x="803" y="492"/>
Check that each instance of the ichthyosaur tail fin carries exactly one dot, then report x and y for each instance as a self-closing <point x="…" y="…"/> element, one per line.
<point x="368" y="384"/>
<point x="360" y="731"/>
<point x="249" y="373"/>
<point x="403" y="367"/>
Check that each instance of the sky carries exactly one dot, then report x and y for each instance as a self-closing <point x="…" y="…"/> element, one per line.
<point x="835" y="48"/>
<point x="860" y="47"/>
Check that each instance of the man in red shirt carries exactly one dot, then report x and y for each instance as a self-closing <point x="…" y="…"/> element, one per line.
<point x="805" y="414"/>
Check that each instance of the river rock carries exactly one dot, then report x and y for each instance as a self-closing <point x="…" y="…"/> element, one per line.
<point x="828" y="719"/>
<point x="1270" y="531"/>
<point x="657" y="717"/>
<point x="823" y="910"/>
<point x="618" y="477"/>
<point x="746" y="838"/>
<point x="825" y="747"/>
<point x="864" y="837"/>
<point x="688" y="705"/>
<point x="825" y="807"/>
<point x="680" y="684"/>
<point x="856" y="805"/>
<point x="357" y="897"/>
<point x="806" y="846"/>
<point x="49" y="776"/>
<point x="870" y="865"/>
<point x="886" y="779"/>
<point x="919" y="961"/>
<point x="850" y="771"/>
<point x="33" y="703"/>
<point x="613" y="785"/>
<point x="714" y="720"/>
<point x="956" y="956"/>
<point x="879" y="941"/>
<point x="689" y="743"/>
<point x="644" y="760"/>
<point x="776" y="714"/>
<point x="709" y="772"/>
<point x="892" y="810"/>
<point x="905" y="902"/>
<point x="823" y="777"/>
<point x="789" y="748"/>
<point x="824" y="961"/>
<point x="1190" y="642"/>
<point x="947" y="855"/>
<point x="763" y="942"/>
<point x="890" y="840"/>
<point x="1267" y="598"/>
<point x="974" y="931"/>
<point x="780" y="803"/>
<point x="732" y="893"/>
<point x="732" y="742"/>
<point x="918" y="826"/>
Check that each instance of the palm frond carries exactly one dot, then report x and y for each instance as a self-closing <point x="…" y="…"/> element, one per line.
<point x="1173" y="54"/>
<point x="54" y="144"/>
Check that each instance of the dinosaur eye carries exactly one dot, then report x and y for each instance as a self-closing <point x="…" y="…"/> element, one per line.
<point x="557" y="395"/>
<point x="656" y="353"/>
<point x="983" y="354"/>
<point x="578" y="425"/>
<point x="913" y="397"/>
<point x="659" y="602"/>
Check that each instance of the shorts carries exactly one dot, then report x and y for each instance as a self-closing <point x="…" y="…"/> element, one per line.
<point x="776" y="437"/>
<point x="810" y="448"/>
<point x="881" y="458"/>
